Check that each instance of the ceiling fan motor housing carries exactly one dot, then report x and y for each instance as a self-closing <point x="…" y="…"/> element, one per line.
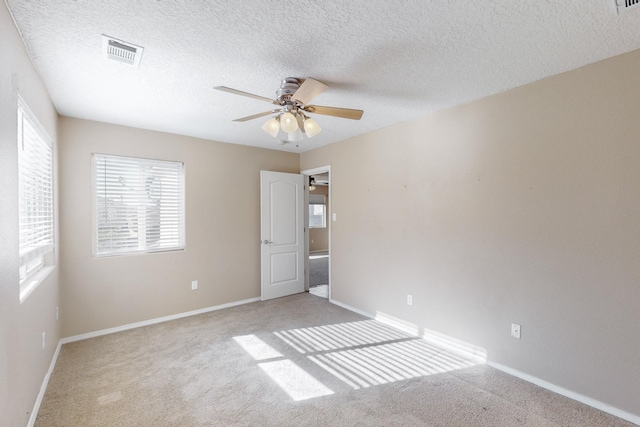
<point x="288" y="87"/>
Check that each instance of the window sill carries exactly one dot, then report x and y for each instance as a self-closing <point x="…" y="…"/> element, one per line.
<point x="31" y="283"/>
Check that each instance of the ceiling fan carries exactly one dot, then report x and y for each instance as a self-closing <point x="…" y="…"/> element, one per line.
<point x="292" y="99"/>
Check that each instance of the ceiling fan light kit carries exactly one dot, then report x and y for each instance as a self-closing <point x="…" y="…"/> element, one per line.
<point x="272" y="127"/>
<point x="311" y="127"/>
<point x="292" y="98"/>
<point x="288" y="122"/>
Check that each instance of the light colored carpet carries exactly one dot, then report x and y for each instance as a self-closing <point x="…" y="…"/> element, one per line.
<point x="295" y="361"/>
<point x="321" y="291"/>
<point x="318" y="269"/>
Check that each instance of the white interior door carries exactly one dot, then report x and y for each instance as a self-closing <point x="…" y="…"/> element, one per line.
<point x="282" y="234"/>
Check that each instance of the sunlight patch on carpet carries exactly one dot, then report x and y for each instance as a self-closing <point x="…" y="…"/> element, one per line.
<point x="294" y="380"/>
<point x="257" y="348"/>
<point x="340" y="335"/>
<point x="382" y="364"/>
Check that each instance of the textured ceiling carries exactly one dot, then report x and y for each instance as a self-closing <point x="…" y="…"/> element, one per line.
<point x="395" y="60"/>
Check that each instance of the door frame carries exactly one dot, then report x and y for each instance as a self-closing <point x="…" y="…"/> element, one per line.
<point x="307" y="173"/>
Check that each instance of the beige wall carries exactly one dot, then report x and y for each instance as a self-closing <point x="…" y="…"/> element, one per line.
<point x="222" y="228"/>
<point x="319" y="237"/>
<point x="23" y="361"/>
<point x="522" y="207"/>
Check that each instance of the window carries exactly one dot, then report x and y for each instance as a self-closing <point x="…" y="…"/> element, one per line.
<point x="317" y="211"/>
<point x="139" y="205"/>
<point x="35" y="194"/>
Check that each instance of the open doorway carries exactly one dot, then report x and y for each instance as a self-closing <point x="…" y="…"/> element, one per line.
<point x="318" y="238"/>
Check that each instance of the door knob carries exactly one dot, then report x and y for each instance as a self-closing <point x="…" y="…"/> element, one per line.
<point x="266" y="242"/>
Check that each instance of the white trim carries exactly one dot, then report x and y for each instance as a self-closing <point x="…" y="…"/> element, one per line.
<point x="328" y="219"/>
<point x="348" y="307"/>
<point x="43" y="387"/>
<point x="156" y="320"/>
<point x="31" y="283"/>
<point x="446" y="342"/>
<point x="443" y="341"/>
<point x="398" y="324"/>
<point x="453" y="345"/>
<point x="568" y="393"/>
<point x="462" y="348"/>
<point x="36" y="263"/>
<point x="33" y="119"/>
<point x="319" y="170"/>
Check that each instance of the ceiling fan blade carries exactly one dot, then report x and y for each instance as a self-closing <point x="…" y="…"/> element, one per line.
<point x="255" y="116"/>
<point x="247" y="94"/>
<point x="308" y="90"/>
<point x="345" y="113"/>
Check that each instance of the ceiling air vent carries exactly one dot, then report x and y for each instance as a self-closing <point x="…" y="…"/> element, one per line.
<point x="120" y="51"/>
<point x="625" y="5"/>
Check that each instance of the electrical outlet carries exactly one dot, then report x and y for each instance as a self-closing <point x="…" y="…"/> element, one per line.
<point x="194" y="285"/>
<point x="515" y="330"/>
<point x="409" y="300"/>
<point x="44" y="339"/>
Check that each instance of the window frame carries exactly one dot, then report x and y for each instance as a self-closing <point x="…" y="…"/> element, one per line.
<point x="181" y="239"/>
<point x="324" y="210"/>
<point x="35" y="265"/>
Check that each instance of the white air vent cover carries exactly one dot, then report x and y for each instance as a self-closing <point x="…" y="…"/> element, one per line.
<point x="120" y="51"/>
<point x="625" y="5"/>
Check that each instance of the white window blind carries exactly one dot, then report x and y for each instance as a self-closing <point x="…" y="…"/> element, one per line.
<point x="317" y="199"/>
<point x="139" y="205"/>
<point x="317" y="211"/>
<point x="35" y="192"/>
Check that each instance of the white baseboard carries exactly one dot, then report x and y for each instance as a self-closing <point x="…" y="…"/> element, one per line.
<point x="348" y="307"/>
<point x="454" y="346"/>
<point x="154" y="321"/>
<point x="394" y="322"/>
<point x="398" y="324"/>
<point x="451" y="344"/>
<point x="43" y="387"/>
<point x="568" y="393"/>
